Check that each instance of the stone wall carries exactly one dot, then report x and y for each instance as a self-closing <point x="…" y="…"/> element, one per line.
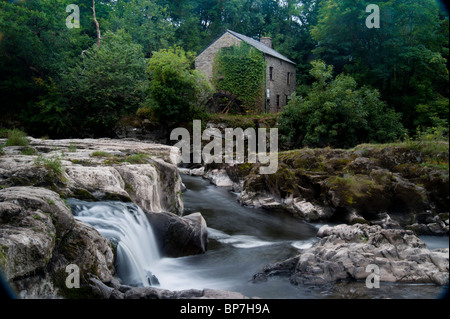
<point x="278" y="86"/>
<point x="205" y="60"/>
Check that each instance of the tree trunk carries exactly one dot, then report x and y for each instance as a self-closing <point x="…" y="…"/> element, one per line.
<point x="96" y="24"/>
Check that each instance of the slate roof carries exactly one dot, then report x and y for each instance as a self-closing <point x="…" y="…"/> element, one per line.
<point x="260" y="46"/>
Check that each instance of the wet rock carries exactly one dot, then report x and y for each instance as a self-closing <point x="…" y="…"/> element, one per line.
<point x="39" y="238"/>
<point x="386" y="222"/>
<point x="85" y="247"/>
<point x="309" y="211"/>
<point x="367" y="180"/>
<point x="344" y="252"/>
<point x="142" y="184"/>
<point x="104" y="291"/>
<point x="25" y="250"/>
<point x="434" y="229"/>
<point x="219" y="177"/>
<point x="100" y="289"/>
<point x="194" y="171"/>
<point x="101" y="182"/>
<point x="179" y="236"/>
<point x="32" y="199"/>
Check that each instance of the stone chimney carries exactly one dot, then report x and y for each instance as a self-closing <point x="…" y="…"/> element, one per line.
<point x="267" y="41"/>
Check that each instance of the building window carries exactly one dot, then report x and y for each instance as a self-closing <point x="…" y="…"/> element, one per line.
<point x="278" y="100"/>
<point x="288" y="78"/>
<point x="271" y="73"/>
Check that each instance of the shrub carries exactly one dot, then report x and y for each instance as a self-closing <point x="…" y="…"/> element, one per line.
<point x="337" y="113"/>
<point x="16" y="138"/>
<point x="52" y="164"/>
<point x="176" y="90"/>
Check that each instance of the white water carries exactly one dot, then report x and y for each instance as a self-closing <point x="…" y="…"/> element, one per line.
<point x="126" y="226"/>
<point x="241" y="242"/>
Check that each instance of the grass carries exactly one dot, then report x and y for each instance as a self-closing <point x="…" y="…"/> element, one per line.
<point x="244" y="121"/>
<point x="52" y="164"/>
<point x="433" y="152"/>
<point x="16" y="138"/>
<point x="137" y="158"/>
<point x="28" y="151"/>
<point x="72" y="148"/>
<point x="436" y="165"/>
<point x="101" y="154"/>
<point x="419" y="145"/>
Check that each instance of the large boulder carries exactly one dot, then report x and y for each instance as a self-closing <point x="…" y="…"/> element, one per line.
<point x="102" y="182"/>
<point x="344" y="252"/>
<point x="219" y="177"/>
<point x="34" y="199"/>
<point x="39" y="238"/>
<point x="179" y="236"/>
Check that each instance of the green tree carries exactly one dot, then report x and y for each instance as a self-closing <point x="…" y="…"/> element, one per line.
<point x="146" y="21"/>
<point x="337" y="113"/>
<point x="176" y="90"/>
<point x="404" y="58"/>
<point x="35" y="45"/>
<point x="106" y="83"/>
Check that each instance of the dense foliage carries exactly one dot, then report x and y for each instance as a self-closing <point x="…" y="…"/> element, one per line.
<point x="53" y="81"/>
<point x="241" y="70"/>
<point x="103" y="85"/>
<point x="406" y="58"/>
<point x="176" y="91"/>
<point x="336" y="112"/>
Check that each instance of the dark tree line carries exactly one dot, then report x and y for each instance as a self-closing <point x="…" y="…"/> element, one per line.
<point x="58" y="81"/>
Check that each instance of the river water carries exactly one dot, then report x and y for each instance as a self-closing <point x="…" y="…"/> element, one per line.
<point x="242" y="241"/>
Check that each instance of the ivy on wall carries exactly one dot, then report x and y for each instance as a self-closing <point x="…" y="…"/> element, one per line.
<point x="241" y="70"/>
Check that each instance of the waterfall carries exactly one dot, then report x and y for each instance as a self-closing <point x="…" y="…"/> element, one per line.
<point x="127" y="227"/>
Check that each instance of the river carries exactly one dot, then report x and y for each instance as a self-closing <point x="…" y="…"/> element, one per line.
<point x="242" y="240"/>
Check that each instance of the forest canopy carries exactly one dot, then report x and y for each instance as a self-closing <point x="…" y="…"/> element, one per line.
<point x="70" y="82"/>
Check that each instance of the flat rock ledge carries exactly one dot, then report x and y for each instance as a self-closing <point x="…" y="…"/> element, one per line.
<point x="97" y="169"/>
<point x="344" y="252"/>
<point x="114" y="290"/>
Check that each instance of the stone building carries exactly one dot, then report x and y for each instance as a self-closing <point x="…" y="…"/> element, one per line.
<point x="280" y="71"/>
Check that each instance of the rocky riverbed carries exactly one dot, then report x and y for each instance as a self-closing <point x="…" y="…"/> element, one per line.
<point x="39" y="236"/>
<point x="386" y="196"/>
<point x="395" y="186"/>
<point x="345" y="251"/>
